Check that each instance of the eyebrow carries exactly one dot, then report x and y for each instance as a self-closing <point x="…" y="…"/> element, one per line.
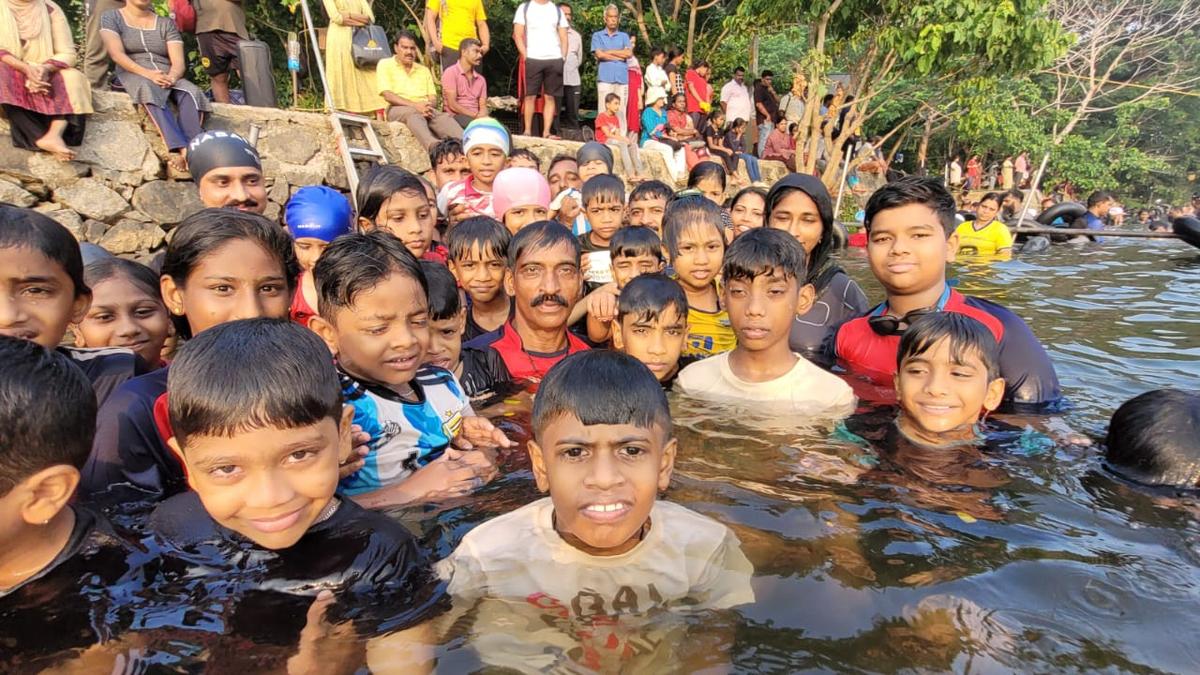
<point x="620" y="441"/>
<point x="37" y="279"/>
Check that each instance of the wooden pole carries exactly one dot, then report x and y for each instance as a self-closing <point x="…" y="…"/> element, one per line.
<point x="1136" y="234"/>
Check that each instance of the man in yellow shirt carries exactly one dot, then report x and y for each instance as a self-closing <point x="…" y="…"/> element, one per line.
<point x="461" y="19"/>
<point x="408" y="88"/>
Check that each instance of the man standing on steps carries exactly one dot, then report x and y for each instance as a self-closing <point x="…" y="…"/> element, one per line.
<point x="408" y="88"/>
<point x="540" y="31"/>
<point x="612" y="49"/>
<point x="96" y="63"/>
<point x="220" y="24"/>
<point x="461" y="20"/>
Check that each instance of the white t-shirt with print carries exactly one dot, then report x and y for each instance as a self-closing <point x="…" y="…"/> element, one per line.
<point x="542" y="21"/>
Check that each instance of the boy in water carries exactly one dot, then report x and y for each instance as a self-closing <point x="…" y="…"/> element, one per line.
<point x="486" y="143"/>
<point x="695" y="240"/>
<point x="634" y="251"/>
<point x="911" y="236"/>
<point x="481" y="373"/>
<point x="375" y="319"/>
<point x="764" y="272"/>
<point x="478" y="260"/>
<point x="1154" y="439"/>
<point x="647" y="203"/>
<point x="651" y="324"/>
<point x="315" y="216"/>
<point x="604" y="207"/>
<point x="601" y="551"/>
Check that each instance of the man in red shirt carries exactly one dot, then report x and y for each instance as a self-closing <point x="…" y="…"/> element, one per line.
<point x="545" y="281"/>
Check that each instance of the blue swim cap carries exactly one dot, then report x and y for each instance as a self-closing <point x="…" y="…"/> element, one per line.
<point x="318" y="212"/>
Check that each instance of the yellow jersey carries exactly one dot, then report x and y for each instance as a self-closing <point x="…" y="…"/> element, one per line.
<point x="988" y="240"/>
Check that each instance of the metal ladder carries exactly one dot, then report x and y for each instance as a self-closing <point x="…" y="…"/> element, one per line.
<point x="352" y="153"/>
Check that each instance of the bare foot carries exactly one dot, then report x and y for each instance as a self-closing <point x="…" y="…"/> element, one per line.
<point x="177" y="163"/>
<point x="56" y="147"/>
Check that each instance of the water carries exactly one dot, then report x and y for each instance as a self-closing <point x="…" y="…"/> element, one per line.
<point x="1030" y="559"/>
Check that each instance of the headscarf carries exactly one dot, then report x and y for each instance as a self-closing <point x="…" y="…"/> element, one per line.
<point x="486" y="131"/>
<point x="519" y="186"/>
<point x="25" y="28"/>
<point x="820" y="260"/>
<point x="217" y="150"/>
<point x="318" y="212"/>
<point x="592" y="151"/>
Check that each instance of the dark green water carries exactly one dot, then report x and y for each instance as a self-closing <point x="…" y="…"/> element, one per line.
<point x="1044" y="563"/>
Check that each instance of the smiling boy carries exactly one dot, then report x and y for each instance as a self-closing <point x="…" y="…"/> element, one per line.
<point x="604" y="206"/>
<point x="478" y="258"/>
<point x="764" y="272"/>
<point x="601" y="550"/>
<point x="911" y="236"/>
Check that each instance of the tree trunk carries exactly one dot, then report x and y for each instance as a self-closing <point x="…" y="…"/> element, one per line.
<point x="923" y="147"/>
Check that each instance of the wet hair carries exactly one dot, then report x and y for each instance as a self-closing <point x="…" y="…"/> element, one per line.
<point x="251" y="374"/>
<point x="484" y="233"/>
<point x="914" y="190"/>
<point x="601" y="387"/>
<point x="762" y="251"/>
<point x="684" y="212"/>
<point x="604" y="187"/>
<point x="540" y="235"/>
<point x="750" y="190"/>
<point x="379" y="184"/>
<point x="38" y="380"/>
<point x="997" y="197"/>
<point x="445" y="149"/>
<point x="138" y="274"/>
<point x="25" y="228"/>
<point x="631" y="242"/>
<point x="203" y="232"/>
<point x="1098" y="197"/>
<point x="647" y="296"/>
<point x="444" y="300"/>
<point x="1155" y="438"/>
<point x="561" y="158"/>
<point x="967" y="335"/>
<point x="356" y="263"/>
<point x="706" y="170"/>
<point x="651" y="189"/>
<point x="1016" y="194"/>
<point x="527" y="154"/>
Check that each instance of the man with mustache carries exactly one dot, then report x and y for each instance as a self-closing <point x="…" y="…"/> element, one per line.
<point x="227" y="172"/>
<point x="544" y="279"/>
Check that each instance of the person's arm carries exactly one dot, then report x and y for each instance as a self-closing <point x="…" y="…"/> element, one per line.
<point x="450" y="97"/>
<point x="391" y="97"/>
<point x="432" y="9"/>
<point x="63" y="44"/>
<point x="338" y="15"/>
<point x="175" y="52"/>
<point x="483" y="104"/>
<point x="562" y="41"/>
<point x="519" y="36"/>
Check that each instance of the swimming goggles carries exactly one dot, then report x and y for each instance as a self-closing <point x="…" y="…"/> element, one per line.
<point x="886" y="325"/>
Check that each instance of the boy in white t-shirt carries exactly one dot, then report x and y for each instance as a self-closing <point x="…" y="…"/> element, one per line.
<point x="764" y="291"/>
<point x="568" y="580"/>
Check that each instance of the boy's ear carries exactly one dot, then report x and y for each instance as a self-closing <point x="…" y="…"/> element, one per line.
<point x="538" y="462"/>
<point x="995" y="394"/>
<point x="666" y="465"/>
<point x="805" y="299"/>
<point x="365" y="224"/>
<point x="345" y="441"/>
<point x="172" y="295"/>
<point x="509" y="287"/>
<point x="454" y="271"/>
<point x="173" y="443"/>
<point x="662" y="264"/>
<point x="618" y="340"/>
<point x="80" y="342"/>
<point x="952" y="247"/>
<point x="79" y="308"/>
<point x="47" y="492"/>
<point x="325" y="331"/>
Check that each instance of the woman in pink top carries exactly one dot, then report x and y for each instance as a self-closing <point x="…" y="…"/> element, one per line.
<point x="779" y="144"/>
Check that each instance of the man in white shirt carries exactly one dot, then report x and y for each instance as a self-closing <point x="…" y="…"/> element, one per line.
<point x="540" y="31"/>
<point x="735" y="98"/>
<point x="571" y="79"/>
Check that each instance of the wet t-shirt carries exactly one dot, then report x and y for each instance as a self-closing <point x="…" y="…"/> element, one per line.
<point x="483" y="374"/>
<point x="543" y="605"/>
<point x="106" y="368"/>
<point x="839" y="299"/>
<point x="72" y="603"/>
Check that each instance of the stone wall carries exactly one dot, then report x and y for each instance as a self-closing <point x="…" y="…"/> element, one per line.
<point x="118" y="193"/>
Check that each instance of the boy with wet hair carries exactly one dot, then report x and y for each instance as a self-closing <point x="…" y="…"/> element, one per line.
<point x="448" y="162"/>
<point x="646" y="205"/>
<point x="601" y="551"/>
<point x="374" y="317"/>
<point x="947" y="377"/>
<point x="911" y="236"/>
<point x="480" y="372"/>
<point x="604" y="210"/>
<point x="257" y="412"/>
<point x="651" y="324"/>
<point x="478" y="259"/>
<point x="1154" y="439"/>
<point x="634" y="251"/>
<point x="764" y="273"/>
<point x="695" y="238"/>
<point x="524" y="157"/>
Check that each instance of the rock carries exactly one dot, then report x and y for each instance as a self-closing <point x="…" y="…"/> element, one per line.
<point x="114" y="145"/>
<point x="113" y="104"/>
<point x="14" y="161"/>
<point x="299" y="175"/>
<point x="772" y="170"/>
<point x="167" y="202"/>
<point x="54" y="173"/>
<point x="130" y="236"/>
<point x="293" y="145"/>
<point x="335" y="172"/>
<point x="279" y="192"/>
<point x="94" y="230"/>
<point x="272" y="212"/>
<point x="91" y="199"/>
<point x="15" y="194"/>
<point x="70" y="220"/>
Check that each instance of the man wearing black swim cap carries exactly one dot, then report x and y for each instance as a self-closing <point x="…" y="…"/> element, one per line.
<point x="227" y="172"/>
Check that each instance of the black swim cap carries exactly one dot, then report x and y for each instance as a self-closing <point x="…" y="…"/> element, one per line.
<point x="219" y="149"/>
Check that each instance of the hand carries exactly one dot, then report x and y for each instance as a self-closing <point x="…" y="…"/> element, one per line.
<point x="457" y="212"/>
<point x="38" y="72"/>
<point x="436" y="45"/>
<point x="479" y="431"/>
<point x="324" y="647"/>
<point x="451" y="475"/>
<point x="585" y="264"/>
<point x="163" y="80"/>
<point x="602" y="305"/>
<point x="484" y="48"/>
<point x="352" y="445"/>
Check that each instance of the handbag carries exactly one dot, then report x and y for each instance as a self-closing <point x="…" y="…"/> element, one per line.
<point x="369" y="45"/>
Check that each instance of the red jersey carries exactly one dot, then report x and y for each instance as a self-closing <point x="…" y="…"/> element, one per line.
<point x="524" y="365"/>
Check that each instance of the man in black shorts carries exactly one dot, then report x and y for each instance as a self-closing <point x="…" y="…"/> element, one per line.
<point x="220" y="24"/>
<point x="540" y="31"/>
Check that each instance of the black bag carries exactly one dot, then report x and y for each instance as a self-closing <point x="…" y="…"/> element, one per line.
<point x="258" y="83"/>
<point x="369" y="46"/>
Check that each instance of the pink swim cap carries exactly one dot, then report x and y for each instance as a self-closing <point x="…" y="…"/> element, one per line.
<point x="519" y="186"/>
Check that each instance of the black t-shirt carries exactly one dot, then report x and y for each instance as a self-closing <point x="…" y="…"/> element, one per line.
<point x="71" y="604"/>
<point x="106" y="368"/>
<point x="473" y="329"/>
<point x="765" y="96"/>
<point x="484" y="376"/>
